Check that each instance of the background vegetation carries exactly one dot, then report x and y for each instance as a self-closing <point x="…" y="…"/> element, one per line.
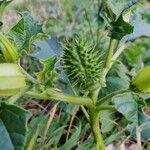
<point x="63" y="126"/>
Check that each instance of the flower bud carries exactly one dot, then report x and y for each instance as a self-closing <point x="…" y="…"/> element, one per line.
<point x="11" y="79"/>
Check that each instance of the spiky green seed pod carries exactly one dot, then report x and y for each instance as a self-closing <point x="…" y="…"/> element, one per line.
<point x="142" y="80"/>
<point x="82" y="63"/>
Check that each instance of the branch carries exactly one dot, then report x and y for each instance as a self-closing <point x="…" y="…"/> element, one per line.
<point x="119" y="51"/>
<point x="105" y="107"/>
<point x="109" y="62"/>
<point x="52" y="94"/>
<point x="109" y="97"/>
<point x="112" y="46"/>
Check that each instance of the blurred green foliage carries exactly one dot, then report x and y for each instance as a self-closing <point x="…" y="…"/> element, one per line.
<point x="62" y="19"/>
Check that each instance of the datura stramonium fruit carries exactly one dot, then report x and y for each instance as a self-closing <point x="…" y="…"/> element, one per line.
<point x="8" y="49"/>
<point x="11" y="79"/>
<point x="142" y="80"/>
<point x="83" y="64"/>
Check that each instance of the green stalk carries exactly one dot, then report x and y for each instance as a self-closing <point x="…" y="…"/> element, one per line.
<point x="94" y="95"/>
<point x="112" y="45"/>
<point x="138" y="136"/>
<point x="94" y="122"/>
<point x="14" y="98"/>
<point x="29" y="77"/>
<point x="109" y="97"/>
<point x="85" y="112"/>
<point x="52" y="94"/>
<point x="107" y="8"/>
<point x="119" y="51"/>
<point x="115" y="56"/>
<point x="105" y="107"/>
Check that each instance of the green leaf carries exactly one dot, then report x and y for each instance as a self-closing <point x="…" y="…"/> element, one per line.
<point x="117" y="80"/>
<point x="122" y="6"/>
<point x="144" y="125"/>
<point x="34" y="129"/>
<point x="13" y="127"/>
<point x="145" y="130"/>
<point x="115" y="136"/>
<point x="48" y="76"/>
<point x="3" y="4"/>
<point x="24" y="30"/>
<point x="6" y="138"/>
<point x="133" y="53"/>
<point x="54" y="135"/>
<point x="87" y="145"/>
<point x="126" y="104"/>
<point x="57" y="128"/>
<point x="116" y="83"/>
<point x="120" y="28"/>
<point x="141" y="29"/>
<point x="64" y="83"/>
<point x="142" y="80"/>
<point x="73" y="139"/>
<point x="108" y="10"/>
<point x="107" y="121"/>
<point x="44" y="49"/>
<point x="34" y="38"/>
<point x="8" y="49"/>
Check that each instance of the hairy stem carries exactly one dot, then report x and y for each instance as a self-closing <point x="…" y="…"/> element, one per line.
<point x="29" y="77"/>
<point x="94" y="122"/>
<point x="14" y="98"/>
<point x="85" y="112"/>
<point x="94" y="95"/>
<point x="112" y="45"/>
<point x="50" y="119"/>
<point x="109" y="97"/>
<point x="119" y="51"/>
<point x="52" y="94"/>
<point x="105" y="107"/>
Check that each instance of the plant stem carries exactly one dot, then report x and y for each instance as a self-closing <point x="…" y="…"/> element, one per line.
<point x="94" y="95"/>
<point x="138" y="136"/>
<point x="94" y="122"/>
<point x="52" y="94"/>
<point x="14" y="98"/>
<point x="29" y="77"/>
<point x="119" y="51"/>
<point x="85" y="112"/>
<point x="112" y="58"/>
<point x="109" y="97"/>
<point x="50" y="119"/>
<point x="105" y="107"/>
<point x="112" y="46"/>
<point x="82" y="107"/>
